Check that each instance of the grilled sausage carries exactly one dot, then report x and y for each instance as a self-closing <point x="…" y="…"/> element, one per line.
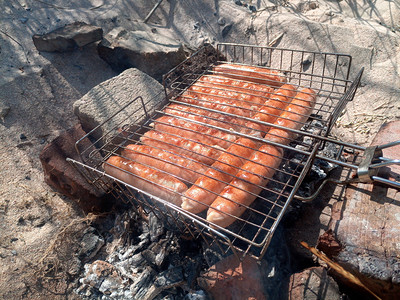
<point x="245" y="187"/>
<point x="207" y="187"/>
<point x="242" y="191"/>
<point x="168" y="161"/>
<point x="237" y="85"/>
<point x="294" y="117"/>
<point x="241" y="99"/>
<point x="212" y="102"/>
<point x="210" y="117"/>
<point x="206" y="134"/>
<point x="250" y="73"/>
<point x="201" y="115"/>
<point x="146" y="179"/>
<point x="191" y="148"/>
<point x="272" y="108"/>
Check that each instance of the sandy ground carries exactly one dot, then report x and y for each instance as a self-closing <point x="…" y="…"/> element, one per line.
<point x="37" y="91"/>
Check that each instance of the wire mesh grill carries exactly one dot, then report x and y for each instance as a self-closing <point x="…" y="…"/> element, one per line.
<point x="194" y="92"/>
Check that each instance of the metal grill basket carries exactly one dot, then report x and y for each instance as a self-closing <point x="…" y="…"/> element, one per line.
<point x="326" y="73"/>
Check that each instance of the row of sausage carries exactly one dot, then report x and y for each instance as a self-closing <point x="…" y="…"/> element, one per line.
<point x="195" y="158"/>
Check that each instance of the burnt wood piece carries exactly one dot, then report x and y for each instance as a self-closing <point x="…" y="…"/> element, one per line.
<point x="366" y="221"/>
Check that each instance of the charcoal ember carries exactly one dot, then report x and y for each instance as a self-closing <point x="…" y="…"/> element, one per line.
<point x="130" y="267"/>
<point x="102" y="279"/>
<point x="197" y="295"/>
<point x="211" y="256"/>
<point x="156" y="253"/>
<point x="90" y="244"/>
<point x="156" y="227"/>
<point x="165" y="280"/>
<point x="191" y="269"/>
<point x="169" y="278"/>
<point x="142" y="284"/>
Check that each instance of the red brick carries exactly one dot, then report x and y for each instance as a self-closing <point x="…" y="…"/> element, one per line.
<point x="63" y="177"/>
<point x="233" y="279"/>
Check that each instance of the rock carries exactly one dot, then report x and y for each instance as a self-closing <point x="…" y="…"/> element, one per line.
<point x="366" y="222"/>
<point x="4" y="110"/>
<point x="107" y="98"/>
<point x="313" y="284"/>
<point x="226" y="30"/>
<point x="313" y="5"/>
<point x="221" y="21"/>
<point x="152" y="53"/>
<point x="68" y="38"/>
<point x="233" y="279"/>
<point x="63" y="177"/>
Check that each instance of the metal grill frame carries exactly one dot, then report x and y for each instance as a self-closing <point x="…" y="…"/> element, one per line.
<point x="328" y="73"/>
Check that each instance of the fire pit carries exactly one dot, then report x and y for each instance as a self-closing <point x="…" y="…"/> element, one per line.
<point x="198" y="85"/>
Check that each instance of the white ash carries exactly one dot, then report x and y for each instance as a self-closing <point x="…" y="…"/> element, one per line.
<point x="147" y="264"/>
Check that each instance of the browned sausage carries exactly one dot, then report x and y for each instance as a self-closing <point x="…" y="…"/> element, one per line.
<point x="294" y="117"/>
<point x="207" y="187"/>
<point x="191" y="148"/>
<point x="146" y="179"/>
<point x="251" y="73"/>
<point x="213" y="102"/>
<point x="237" y="85"/>
<point x="210" y="117"/>
<point x="244" y="188"/>
<point x="206" y="134"/>
<point x="224" y="100"/>
<point x="169" y="161"/>
<point x="272" y="108"/>
<point x="201" y="115"/>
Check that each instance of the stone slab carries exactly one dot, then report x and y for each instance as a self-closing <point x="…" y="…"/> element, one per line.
<point x="151" y="52"/>
<point x="68" y="38"/>
<point x="112" y="105"/>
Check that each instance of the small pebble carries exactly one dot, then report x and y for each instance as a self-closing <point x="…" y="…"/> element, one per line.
<point x="42" y="141"/>
<point x="23" y="20"/>
<point x="313" y="5"/>
<point x="329" y="13"/>
<point x="27" y="177"/>
<point x="4" y="110"/>
<point x="196" y="25"/>
<point x="14" y="239"/>
<point x="22" y="137"/>
<point x="252" y="8"/>
<point x="221" y="21"/>
<point x="13" y="252"/>
<point x="238" y="2"/>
